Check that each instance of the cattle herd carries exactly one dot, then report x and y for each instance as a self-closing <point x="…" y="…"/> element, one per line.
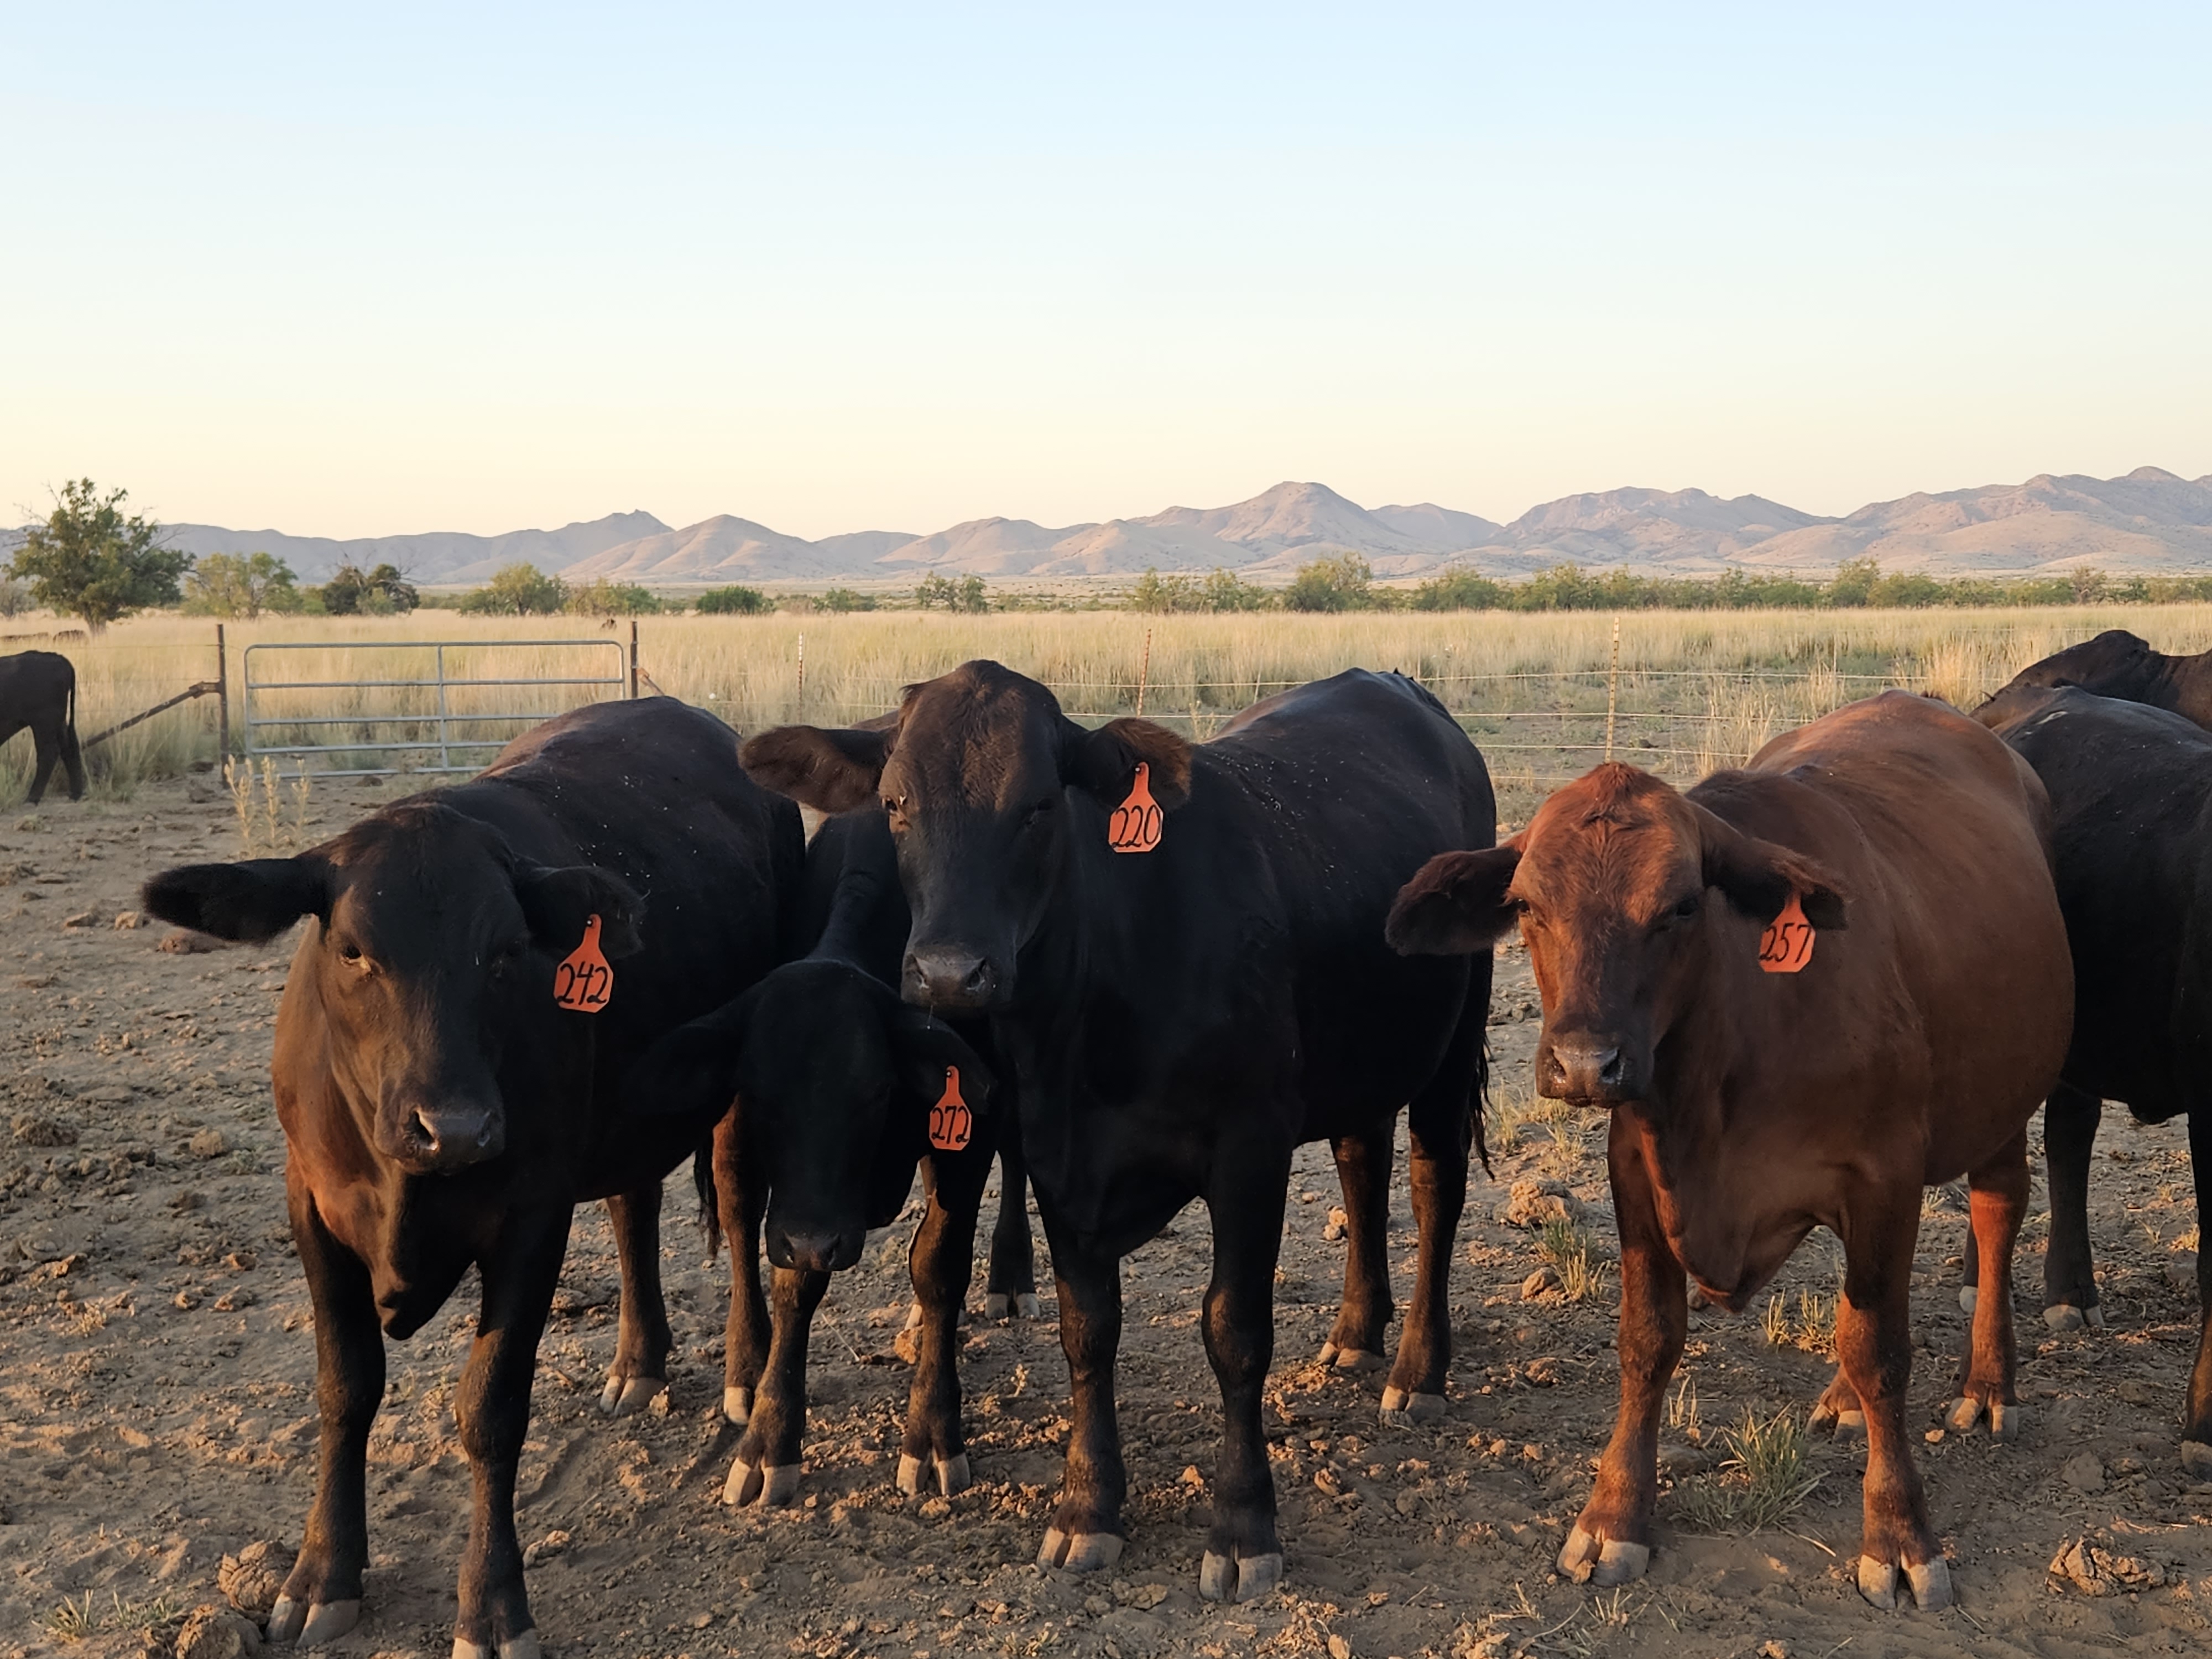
<point x="1139" y="971"/>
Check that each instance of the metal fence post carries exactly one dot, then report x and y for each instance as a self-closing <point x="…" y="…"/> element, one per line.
<point x="633" y="659"/>
<point x="221" y="697"/>
<point x="802" y="677"/>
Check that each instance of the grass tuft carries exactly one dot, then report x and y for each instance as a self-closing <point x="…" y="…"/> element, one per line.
<point x="1573" y="1256"/>
<point x="1762" y="1480"/>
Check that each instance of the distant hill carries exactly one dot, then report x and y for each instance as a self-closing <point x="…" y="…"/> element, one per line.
<point x="2149" y="520"/>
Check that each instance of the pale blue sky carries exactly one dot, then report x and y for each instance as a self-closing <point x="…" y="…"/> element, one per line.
<point x="394" y="268"/>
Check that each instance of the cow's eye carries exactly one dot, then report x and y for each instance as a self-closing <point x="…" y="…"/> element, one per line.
<point x="349" y="954"/>
<point x="1038" y="813"/>
<point x="1687" y="907"/>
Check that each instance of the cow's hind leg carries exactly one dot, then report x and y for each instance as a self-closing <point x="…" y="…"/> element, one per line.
<point x="1363" y="1171"/>
<point x="1010" y="1286"/>
<point x="1085" y="1530"/>
<point x="1873" y="1340"/>
<point x="321" y="1598"/>
<point x="493" y="1404"/>
<point x="940" y="1264"/>
<point x="1244" y="1557"/>
<point x="739" y="1208"/>
<point x="641" y="1367"/>
<point x="1611" y="1540"/>
<point x="2071" y="1118"/>
<point x="1440" y="1124"/>
<point x="46" y="741"/>
<point x="766" y="1469"/>
<point x="72" y="759"/>
<point x="1986" y="1376"/>
<point x="2197" y="1438"/>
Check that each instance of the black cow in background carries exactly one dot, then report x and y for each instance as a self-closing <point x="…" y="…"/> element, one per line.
<point x="38" y="688"/>
<point x="838" y="1084"/>
<point x="2131" y="793"/>
<point x="2118" y="664"/>
<point x="448" y="1063"/>
<point x="1180" y="949"/>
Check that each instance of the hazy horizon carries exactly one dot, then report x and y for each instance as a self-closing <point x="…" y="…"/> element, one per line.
<point x="870" y="269"/>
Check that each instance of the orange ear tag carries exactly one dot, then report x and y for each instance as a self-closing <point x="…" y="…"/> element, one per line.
<point x="583" y="983"/>
<point x="1787" y="945"/>
<point x="951" y="1122"/>
<point x="1135" y="825"/>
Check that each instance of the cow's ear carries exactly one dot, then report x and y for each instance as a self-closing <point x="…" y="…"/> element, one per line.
<point x="1758" y="877"/>
<point x="925" y="1047"/>
<point x="1455" y="903"/>
<point x="558" y="903"/>
<point x="1105" y="762"/>
<point x="248" y="902"/>
<point x="832" y="769"/>
<point x="692" y="1072"/>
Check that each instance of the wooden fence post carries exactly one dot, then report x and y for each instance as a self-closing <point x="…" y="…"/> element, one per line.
<point x="1144" y="670"/>
<point x="1612" y="690"/>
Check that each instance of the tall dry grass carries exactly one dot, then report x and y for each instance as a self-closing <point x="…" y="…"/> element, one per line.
<point x="1697" y="688"/>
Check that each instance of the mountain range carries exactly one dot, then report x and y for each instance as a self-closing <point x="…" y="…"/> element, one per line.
<point x="2149" y="520"/>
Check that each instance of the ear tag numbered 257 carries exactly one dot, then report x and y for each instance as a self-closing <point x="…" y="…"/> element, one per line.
<point x="951" y="1122"/>
<point x="1135" y="825"/>
<point x="583" y="981"/>
<point x="1787" y="945"/>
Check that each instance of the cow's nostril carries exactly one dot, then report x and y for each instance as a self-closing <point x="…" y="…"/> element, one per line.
<point x="422" y="1131"/>
<point x="1610" y="1069"/>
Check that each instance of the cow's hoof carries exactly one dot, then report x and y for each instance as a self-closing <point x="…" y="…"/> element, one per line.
<point x="1842" y="1424"/>
<point x="1027" y="1305"/>
<point x="771" y="1485"/>
<point x="1350" y="1359"/>
<point x="2196" y="1458"/>
<point x="1930" y="1583"/>
<point x="524" y="1646"/>
<point x="997" y="1305"/>
<point x="2065" y="1317"/>
<point x="950" y="1475"/>
<point x="1080" y="1552"/>
<point x="1605" y="1562"/>
<point x="1402" y="1409"/>
<point x="2006" y="1420"/>
<point x="622" y="1396"/>
<point x="1967" y="1296"/>
<point x="738" y="1405"/>
<point x="1221" y="1579"/>
<point x="311" y="1626"/>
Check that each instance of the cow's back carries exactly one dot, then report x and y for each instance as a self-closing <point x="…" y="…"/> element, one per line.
<point x="1952" y="975"/>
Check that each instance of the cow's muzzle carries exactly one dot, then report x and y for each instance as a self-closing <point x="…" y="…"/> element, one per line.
<point x="814" y="1252"/>
<point x="1599" y="1070"/>
<point x="951" y="979"/>
<point x="440" y="1139"/>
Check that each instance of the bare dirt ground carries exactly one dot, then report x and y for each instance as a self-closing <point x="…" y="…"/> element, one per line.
<point x="156" y="1404"/>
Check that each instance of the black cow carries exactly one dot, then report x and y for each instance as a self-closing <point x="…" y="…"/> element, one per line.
<point x="838" y="1084"/>
<point x="1175" y="1019"/>
<point x="2131" y="792"/>
<point x="2118" y="664"/>
<point x="442" y="1108"/>
<point x="38" y="688"/>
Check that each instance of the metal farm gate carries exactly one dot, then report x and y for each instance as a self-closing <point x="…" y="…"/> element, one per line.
<point x="442" y="707"/>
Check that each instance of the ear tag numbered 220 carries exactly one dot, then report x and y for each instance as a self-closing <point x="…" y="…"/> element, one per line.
<point x="583" y="981"/>
<point x="1135" y="825"/>
<point x="951" y="1122"/>
<point x="1787" y="945"/>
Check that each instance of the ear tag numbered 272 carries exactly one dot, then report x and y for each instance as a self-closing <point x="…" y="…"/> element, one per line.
<point x="583" y="981"/>
<point x="951" y="1122"/>
<point x="1787" y="945"/>
<point x="1135" y="825"/>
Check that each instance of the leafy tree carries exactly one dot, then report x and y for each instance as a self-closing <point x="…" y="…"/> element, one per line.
<point x="1853" y="585"/>
<point x="518" y="590"/>
<point x="15" y="597"/>
<point x="734" y="601"/>
<point x="241" y="584"/>
<point x="605" y="598"/>
<point x="1220" y="591"/>
<point x="846" y="598"/>
<point x="1343" y="583"/>
<point x="378" y="592"/>
<point x="1459" y="590"/>
<point x="936" y="592"/>
<point x="89" y="560"/>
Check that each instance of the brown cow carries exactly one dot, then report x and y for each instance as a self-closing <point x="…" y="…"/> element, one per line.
<point x="1750" y="1107"/>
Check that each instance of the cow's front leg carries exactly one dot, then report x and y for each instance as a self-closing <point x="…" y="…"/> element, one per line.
<point x="1363" y="1173"/>
<point x="1987" y="1369"/>
<point x="2196" y="1437"/>
<point x="1611" y="1541"/>
<point x="739" y="1203"/>
<point x="1085" y="1531"/>
<point x="494" y="1409"/>
<point x="1010" y="1286"/>
<point x="1243" y="1556"/>
<point x="641" y="1367"/>
<point x="321" y="1598"/>
<point x="940" y="1263"/>
<point x="2071" y="1118"/>
<point x="1873" y="1340"/>
<point x="766" y="1470"/>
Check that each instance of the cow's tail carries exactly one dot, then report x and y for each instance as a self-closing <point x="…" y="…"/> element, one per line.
<point x="1482" y="1101"/>
<point x="710" y="1209"/>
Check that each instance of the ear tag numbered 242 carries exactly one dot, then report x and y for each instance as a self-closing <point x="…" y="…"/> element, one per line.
<point x="583" y="981"/>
